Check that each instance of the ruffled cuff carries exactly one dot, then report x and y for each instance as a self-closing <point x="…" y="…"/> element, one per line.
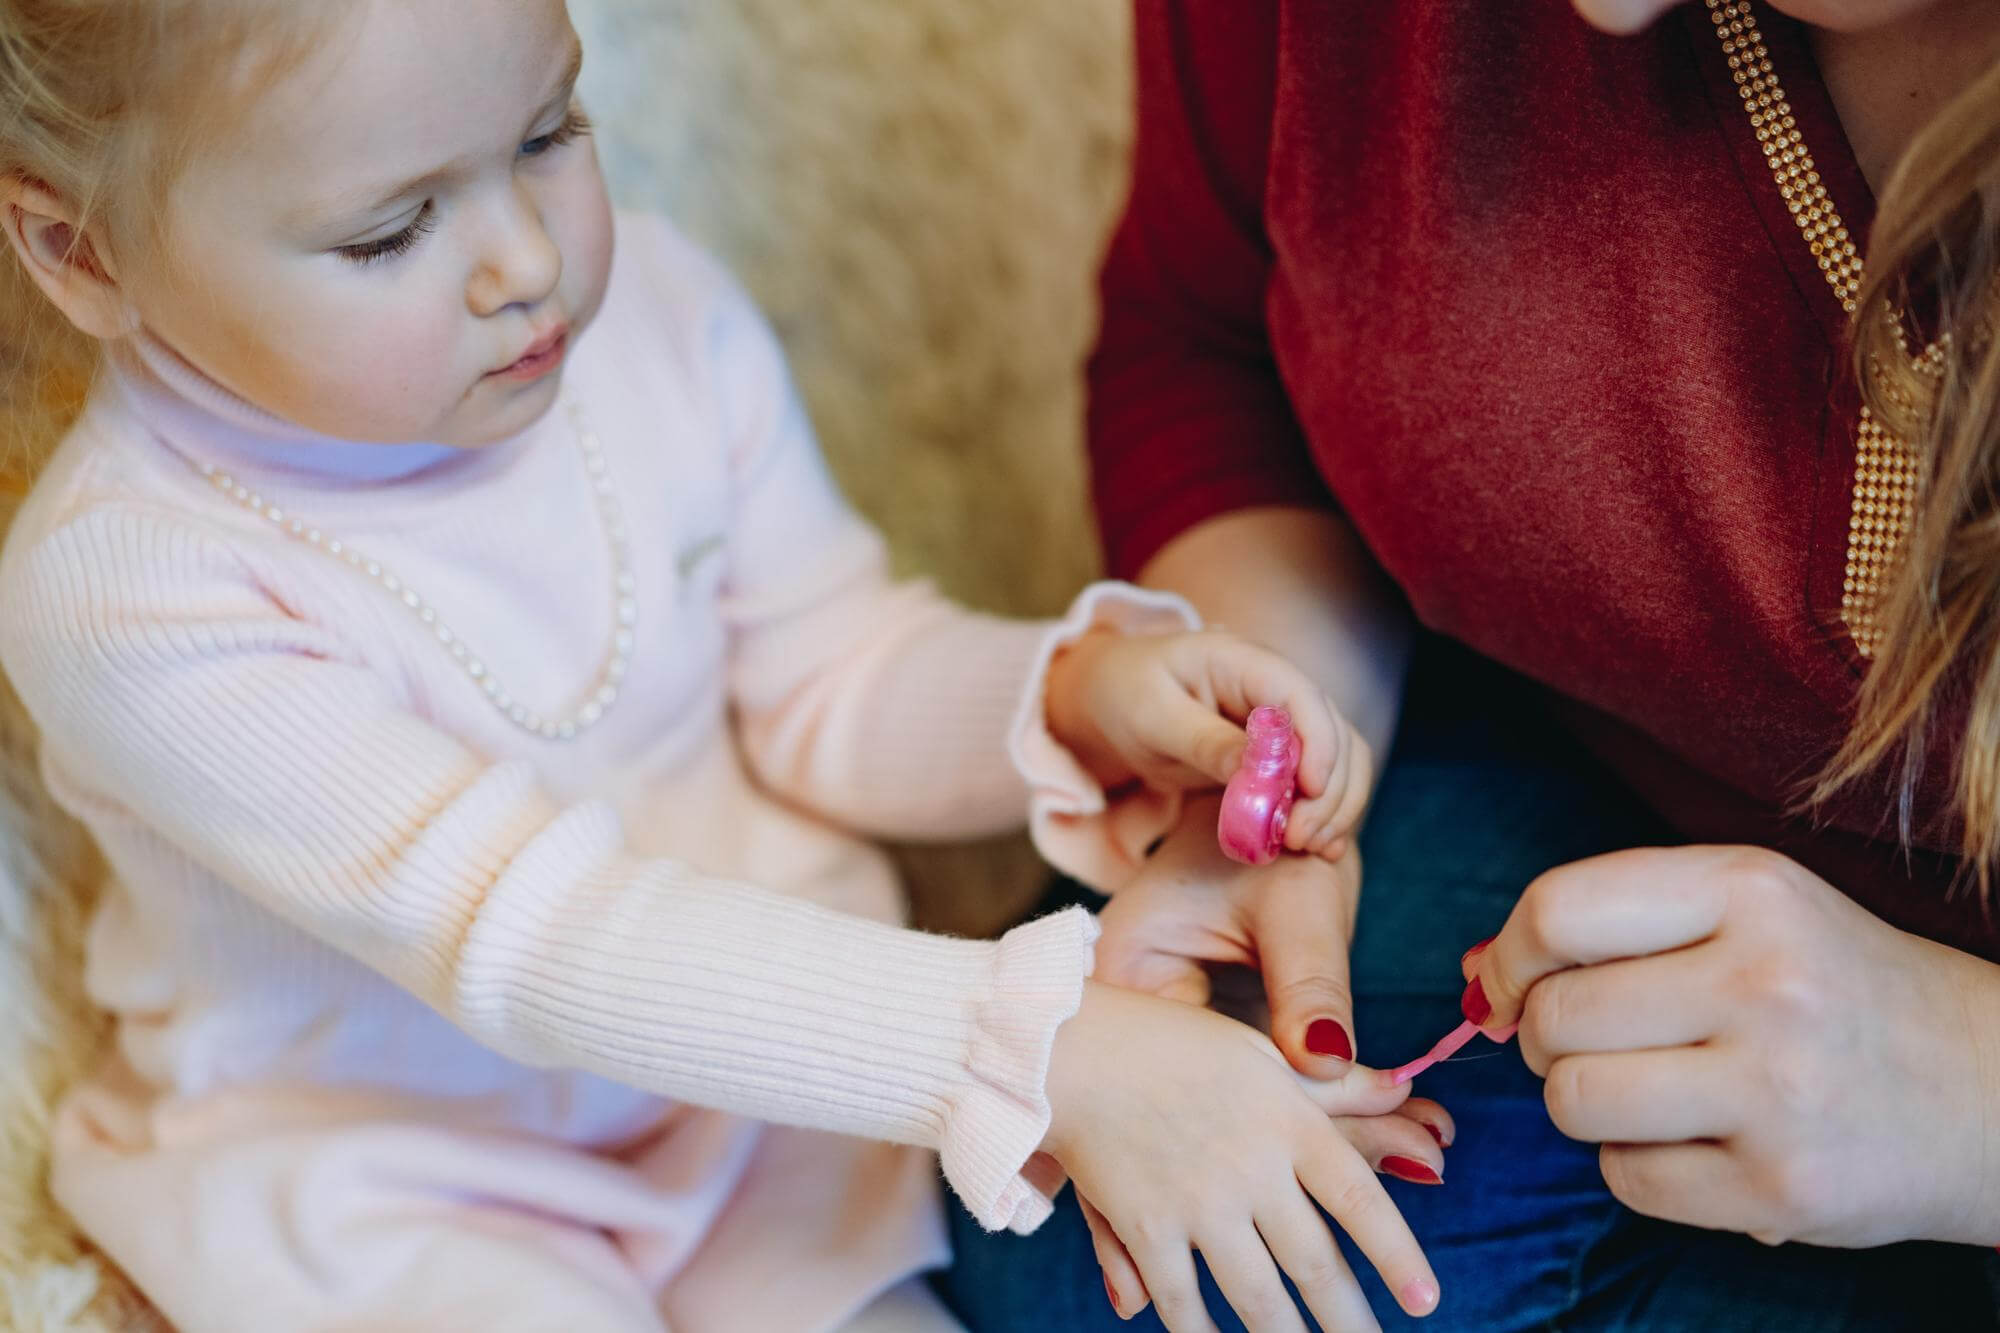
<point x="1075" y="826"/>
<point x="991" y="1140"/>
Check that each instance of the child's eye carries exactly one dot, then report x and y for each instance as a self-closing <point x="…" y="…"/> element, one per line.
<point x="574" y="126"/>
<point x="389" y="247"/>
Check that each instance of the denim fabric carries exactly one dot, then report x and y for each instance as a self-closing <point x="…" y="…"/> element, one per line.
<point x="1479" y="795"/>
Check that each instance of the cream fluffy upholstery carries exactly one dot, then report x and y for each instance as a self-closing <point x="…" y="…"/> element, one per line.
<point x="917" y="191"/>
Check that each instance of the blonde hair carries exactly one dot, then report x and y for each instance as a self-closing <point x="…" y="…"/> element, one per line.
<point x="1935" y="249"/>
<point x="101" y="103"/>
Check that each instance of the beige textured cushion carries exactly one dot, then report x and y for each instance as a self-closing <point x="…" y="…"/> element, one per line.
<point x="917" y="191"/>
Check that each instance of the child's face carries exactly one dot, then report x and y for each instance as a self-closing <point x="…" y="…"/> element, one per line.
<point x="400" y="222"/>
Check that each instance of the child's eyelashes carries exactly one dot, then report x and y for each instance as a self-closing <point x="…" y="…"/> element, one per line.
<point x="574" y="126"/>
<point x="388" y="247"/>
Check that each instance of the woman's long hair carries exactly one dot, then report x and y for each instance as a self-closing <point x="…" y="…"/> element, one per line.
<point x="1933" y="276"/>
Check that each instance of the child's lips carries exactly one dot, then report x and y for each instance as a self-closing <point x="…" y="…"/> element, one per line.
<point x="542" y="356"/>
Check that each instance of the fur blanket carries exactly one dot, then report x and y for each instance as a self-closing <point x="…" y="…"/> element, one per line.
<point x="917" y="191"/>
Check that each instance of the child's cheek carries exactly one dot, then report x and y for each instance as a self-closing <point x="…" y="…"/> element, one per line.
<point x="397" y="364"/>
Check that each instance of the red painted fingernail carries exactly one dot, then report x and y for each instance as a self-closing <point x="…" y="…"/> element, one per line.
<point x="1410" y="1169"/>
<point x="1326" y="1037"/>
<point x="1475" y="1006"/>
<point x="1435" y="1132"/>
<point x="1474" y="951"/>
<point x="1112" y="1292"/>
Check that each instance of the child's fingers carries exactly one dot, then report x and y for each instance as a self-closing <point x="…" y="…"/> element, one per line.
<point x="1199" y="749"/>
<point x="1357" y="779"/>
<point x="1358" y="1091"/>
<point x="1346" y="1187"/>
<point x="1395" y="1145"/>
<point x="1324" y="825"/>
<point x="1243" y="677"/>
<point x="1316" y="828"/>
<point x="1166" y="1266"/>
<point x="1242" y="1267"/>
<point x="1437" y="1121"/>
<point x="1299" y="1240"/>
<point x="1122" y="1283"/>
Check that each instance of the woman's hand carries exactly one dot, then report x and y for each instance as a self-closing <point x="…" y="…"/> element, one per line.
<point x="1185" y="1131"/>
<point x="1167" y="710"/>
<point x="1758" y="1053"/>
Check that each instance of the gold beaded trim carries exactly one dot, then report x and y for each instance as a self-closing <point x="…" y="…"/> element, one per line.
<point x="1886" y="473"/>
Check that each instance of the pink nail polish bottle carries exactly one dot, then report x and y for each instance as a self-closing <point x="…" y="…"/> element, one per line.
<point x="1258" y="801"/>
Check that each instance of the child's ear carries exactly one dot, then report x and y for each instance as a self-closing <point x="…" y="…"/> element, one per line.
<point x="63" y="260"/>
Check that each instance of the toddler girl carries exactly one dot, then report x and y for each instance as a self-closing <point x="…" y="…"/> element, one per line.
<point x="442" y="619"/>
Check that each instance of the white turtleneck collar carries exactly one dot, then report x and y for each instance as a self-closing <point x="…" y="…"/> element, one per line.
<point x="209" y="424"/>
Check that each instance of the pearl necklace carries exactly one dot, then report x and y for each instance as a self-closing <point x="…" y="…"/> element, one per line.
<point x="625" y="602"/>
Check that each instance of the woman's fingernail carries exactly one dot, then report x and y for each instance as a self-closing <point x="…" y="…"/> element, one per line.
<point x="1465" y="958"/>
<point x="1112" y="1292"/>
<point x="1420" y="1296"/>
<point x="1435" y="1132"/>
<point x="1410" y="1169"/>
<point x="1475" y="1006"/>
<point x="1326" y="1037"/>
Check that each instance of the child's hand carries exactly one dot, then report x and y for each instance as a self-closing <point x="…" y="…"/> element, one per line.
<point x="1168" y="711"/>
<point x="1186" y="1131"/>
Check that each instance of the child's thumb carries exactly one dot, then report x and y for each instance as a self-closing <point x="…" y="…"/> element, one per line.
<point x="1215" y="747"/>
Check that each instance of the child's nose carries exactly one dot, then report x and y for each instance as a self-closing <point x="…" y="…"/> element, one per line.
<point x="521" y="264"/>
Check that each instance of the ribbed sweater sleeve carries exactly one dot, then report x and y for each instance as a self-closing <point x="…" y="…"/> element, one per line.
<point x="263" y="748"/>
<point x="876" y="704"/>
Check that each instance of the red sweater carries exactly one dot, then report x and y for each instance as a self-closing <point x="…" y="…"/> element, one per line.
<point x="1526" y="303"/>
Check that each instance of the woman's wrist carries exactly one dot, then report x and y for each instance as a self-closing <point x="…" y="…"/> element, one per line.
<point x="1969" y="1159"/>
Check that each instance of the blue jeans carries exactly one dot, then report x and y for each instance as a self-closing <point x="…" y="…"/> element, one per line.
<point x="1481" y="794"/>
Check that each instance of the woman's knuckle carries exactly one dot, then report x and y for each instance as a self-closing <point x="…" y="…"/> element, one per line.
<point x="1801" y="1086"/>
<point x="1628" y="1179"/>
<point x="1545" y="911"/>
<point x="1562" y="1094"/>
<point x="1796" y="1190"/>
<point x="1759" y="874"/>
<point x="1313" y="987"/>
<point x="1545" y="1008"/>
<point x="1788" y="989"/>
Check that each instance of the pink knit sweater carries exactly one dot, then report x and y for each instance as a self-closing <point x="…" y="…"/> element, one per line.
<point x="336" y="863"/>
